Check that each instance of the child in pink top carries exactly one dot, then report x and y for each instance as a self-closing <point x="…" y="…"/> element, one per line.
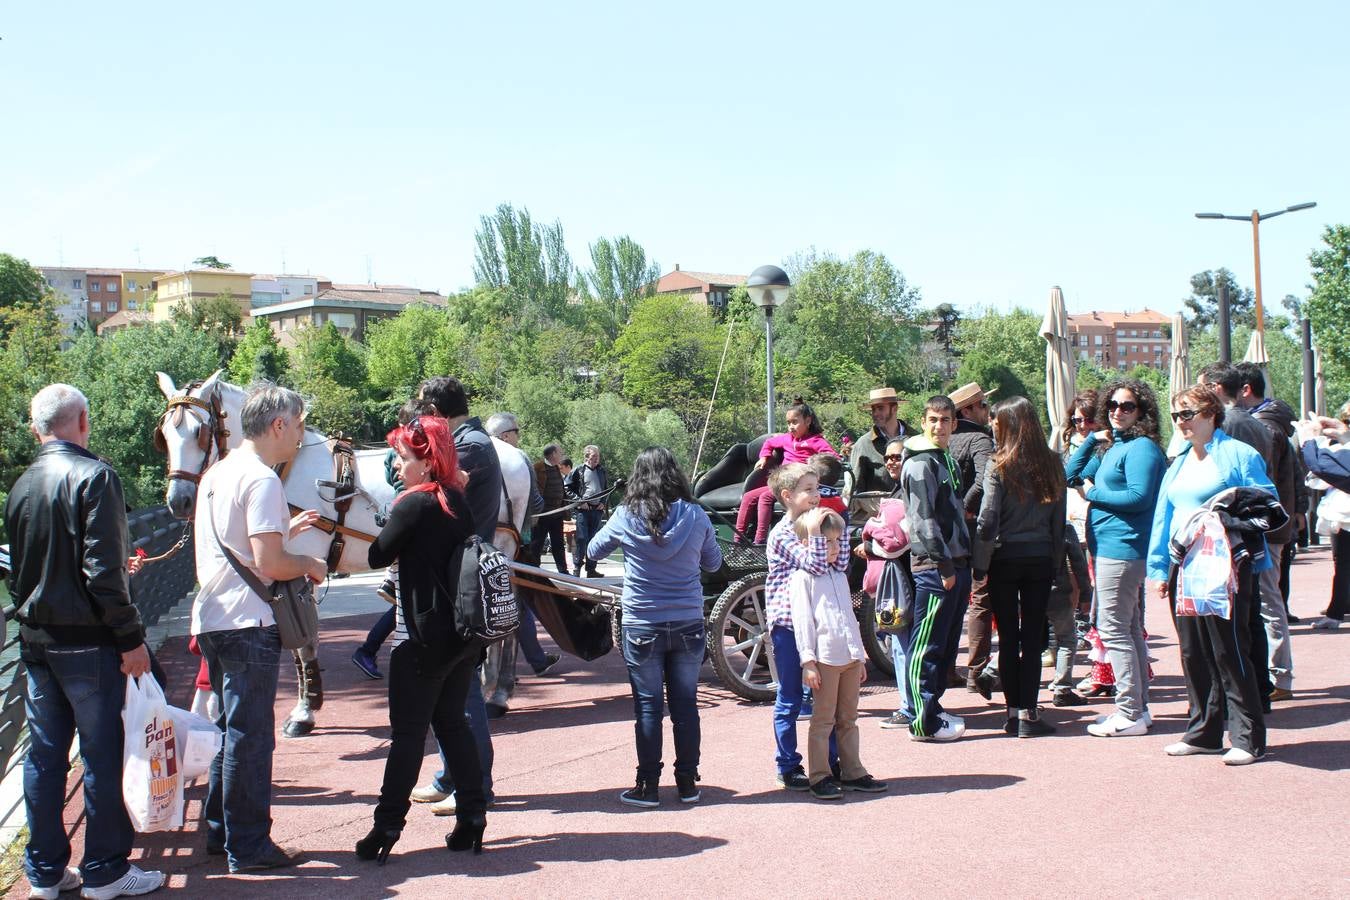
<point x="799" y="443"/>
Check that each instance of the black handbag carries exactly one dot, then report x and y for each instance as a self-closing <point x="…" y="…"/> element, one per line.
<point x="291" y="601"/>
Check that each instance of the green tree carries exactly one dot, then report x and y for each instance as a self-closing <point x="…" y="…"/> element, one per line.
<point x="621" y="432"/>
<point x="1004" y="352"/>
<point x="529" y="261"/>
<point x="620" y="277"/>
<point x="258" y="355"/>
<point x="1202" y="306"/>
<point x="210" y="262"/>
<point x="849" y="324"/>
<point x="29" y="360"/>
<point x="324" y="352"/>
<point x="1328" y="308"/>
<point x="406" y="349"/>
<point x="219" y="316"/>
<point x="20" y="283"/>
<point x="668" y="355"/>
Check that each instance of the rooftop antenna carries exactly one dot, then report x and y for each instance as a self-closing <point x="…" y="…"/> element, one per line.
<point x="369" y="278"/>
<point x="61" y="250"/>
<point x="137" y="250"/>
<point x="283" y="260"/>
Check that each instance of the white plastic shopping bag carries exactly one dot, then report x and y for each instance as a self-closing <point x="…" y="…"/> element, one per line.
<point x="199" y="740"/>
<point x="152" y="782"/>
<point x="1207" y="583"/>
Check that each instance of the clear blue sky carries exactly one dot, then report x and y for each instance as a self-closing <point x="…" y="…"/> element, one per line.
<point x="990" y="150"/>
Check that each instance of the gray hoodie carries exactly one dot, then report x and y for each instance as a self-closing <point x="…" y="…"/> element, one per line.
<point x="936" y="520"/>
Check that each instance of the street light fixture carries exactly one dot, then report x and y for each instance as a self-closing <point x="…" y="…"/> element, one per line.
<point x="1256" y="218"/>
<point x="768" y="287"/>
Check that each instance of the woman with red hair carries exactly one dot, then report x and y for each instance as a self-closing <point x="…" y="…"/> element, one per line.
<point x="428" y="674"/>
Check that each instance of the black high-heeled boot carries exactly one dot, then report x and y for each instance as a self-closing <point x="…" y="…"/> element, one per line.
<point x="377" y="844"/>
<point x="468" y="834"/>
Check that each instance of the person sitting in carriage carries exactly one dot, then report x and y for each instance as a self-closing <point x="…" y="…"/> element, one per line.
<point x="803" y="440"/>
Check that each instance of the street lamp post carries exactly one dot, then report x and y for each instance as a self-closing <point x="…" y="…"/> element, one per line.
<point x="1256" y="218"/>
<point x="768" y="287"/>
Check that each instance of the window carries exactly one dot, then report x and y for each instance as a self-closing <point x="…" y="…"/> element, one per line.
<point x="1098" y="340"/>
<point x="78" y="283"/>
<point x="112" y="287"/>
<point x="131" y="285"/>
<point x="1157" y="334"/>
<point x="131" y="304"/>
<point x="1120" y="366"/>
<point x="96" y="306"/>
<point x="285" y="290"/>
<point x="112" y="306"/>
<point x="93" y="287"/>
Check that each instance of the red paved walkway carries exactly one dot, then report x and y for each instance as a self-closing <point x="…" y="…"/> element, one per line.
<point x="1071" y="814"/>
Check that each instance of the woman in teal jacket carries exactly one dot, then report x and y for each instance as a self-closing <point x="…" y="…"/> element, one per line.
<point x="1120" y="470"/>
<point x="1215" y="652"/>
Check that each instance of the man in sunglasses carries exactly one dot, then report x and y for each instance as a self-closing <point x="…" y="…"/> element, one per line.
<point x="972" y="445"/>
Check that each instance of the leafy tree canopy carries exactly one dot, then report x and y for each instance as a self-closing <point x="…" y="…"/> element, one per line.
<point x="210" y="262"/>
<point x="1202" y="306"/>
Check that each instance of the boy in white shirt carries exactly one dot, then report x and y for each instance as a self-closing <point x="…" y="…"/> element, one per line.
<point x="833" y="665"/>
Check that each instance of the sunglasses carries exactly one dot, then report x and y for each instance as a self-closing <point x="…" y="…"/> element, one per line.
<point x="893" y="457"/>
<point x="1079" y="420"/>
<point x="1127" y="406"/>
<point x="1185" y="415"/>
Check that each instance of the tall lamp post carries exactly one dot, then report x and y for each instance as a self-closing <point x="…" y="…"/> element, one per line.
<point x="768" y="287"/>
<point x="1256" y="218"/>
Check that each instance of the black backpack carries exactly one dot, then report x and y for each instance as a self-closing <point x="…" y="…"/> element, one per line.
<point x="486" y="609"/>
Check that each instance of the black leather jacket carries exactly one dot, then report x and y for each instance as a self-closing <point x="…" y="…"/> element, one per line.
<point x="67" y="526"/>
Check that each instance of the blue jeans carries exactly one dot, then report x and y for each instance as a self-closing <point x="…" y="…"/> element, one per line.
<point x="379" y="632"/>
<point x="527" y="635"/>
<point x="788" y="704"/>
<point x="588" y="523"/>
<point x="74" y="689"/>
<point x="663" y="665"/>
<point x="243" y="665"/>
<point x="901" y="675"/>
<point x="476" y="712"/>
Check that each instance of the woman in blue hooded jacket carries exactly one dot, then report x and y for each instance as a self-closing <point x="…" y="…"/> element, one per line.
<point x="667" y="541"/>
<point x="1120" y="470"/>
<point x="1215" y="652"/>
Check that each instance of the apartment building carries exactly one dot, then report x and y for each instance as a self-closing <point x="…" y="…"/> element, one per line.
<point x="177" y="288"/>
<point x="1121" y="340"/>
<point x="712" y="288"/>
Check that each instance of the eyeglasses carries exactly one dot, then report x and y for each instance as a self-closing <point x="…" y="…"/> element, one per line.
<point x="1080" y="420"/>
<point x="1185" y="415"/>
<point x="893" y="457"/>
<point x="1127" y="406"/>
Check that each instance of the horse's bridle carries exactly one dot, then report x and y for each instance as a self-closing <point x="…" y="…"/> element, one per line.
<point x="211" y="431"/>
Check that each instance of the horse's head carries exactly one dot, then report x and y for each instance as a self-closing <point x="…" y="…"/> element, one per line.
<point x="191" y="432"/>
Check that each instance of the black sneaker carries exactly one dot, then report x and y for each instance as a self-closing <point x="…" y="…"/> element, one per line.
<point x="388" y="591"/>
<point x="642" y="794"/>
<point x="896" y="719"/>
<point x="795" y="780"/>
<point x="550" y="660"/>
<point x="1030" y="728"/>
<point x="827" y="789"/>
<point x="867" y="784"/>
<point x="273" y="858"/>
<point x="1069" y="698"/>
<point x="1010" y="726"/>
<point x="687" y="785"/>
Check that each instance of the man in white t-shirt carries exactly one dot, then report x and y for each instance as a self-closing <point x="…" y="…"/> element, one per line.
<point x="241" y="499"/>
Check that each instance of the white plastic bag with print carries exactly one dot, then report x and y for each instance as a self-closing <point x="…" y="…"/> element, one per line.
<point x="199" y="740"/>
<point x="1206" y="583"/>
<point x="152" y="782"/>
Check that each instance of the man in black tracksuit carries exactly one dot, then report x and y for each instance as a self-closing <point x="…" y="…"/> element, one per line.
<point x="940" y="559"/>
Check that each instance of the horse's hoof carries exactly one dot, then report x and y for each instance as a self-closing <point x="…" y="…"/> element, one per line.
<point x="294" y="729"/>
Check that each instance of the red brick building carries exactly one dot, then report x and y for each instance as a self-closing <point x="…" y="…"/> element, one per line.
<point x="714" y="288"/>
<point x="104" y="289"/>
<point x="1121" y="341"/>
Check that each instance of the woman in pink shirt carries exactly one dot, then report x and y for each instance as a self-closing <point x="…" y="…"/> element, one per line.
<point x="799" y="443"/>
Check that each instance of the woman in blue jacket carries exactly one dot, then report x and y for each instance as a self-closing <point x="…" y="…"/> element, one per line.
<point x="1121" y="469"/>
<point x="1215" y="652"/>
<point x="667" y="540"/>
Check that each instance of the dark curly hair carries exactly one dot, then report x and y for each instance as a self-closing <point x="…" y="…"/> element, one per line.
<point x="656" y="483"/>
<point x="1147" y="423"/>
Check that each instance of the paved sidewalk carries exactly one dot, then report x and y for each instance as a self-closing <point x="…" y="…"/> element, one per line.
<point x="990" y="815"/>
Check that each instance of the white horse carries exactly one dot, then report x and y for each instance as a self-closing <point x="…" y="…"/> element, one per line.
<point x="201" y="423"/>
<point x="499" y="681"/>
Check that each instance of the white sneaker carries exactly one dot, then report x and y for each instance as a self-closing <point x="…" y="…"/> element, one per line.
<point x="1146" y="718"/>
<point x="133" y="884"/>
<point x="1236" y="756"/>
<point x="70" y="880"/>
<point x="428" y="793"/>
<point x="1181" y="748"/>
<point x="957" y="723"/>
<point x="1326" y="624"/>
<point x="1117" y="725"/>
<point x="444" y="807"/>
<point x="946" y="733"/>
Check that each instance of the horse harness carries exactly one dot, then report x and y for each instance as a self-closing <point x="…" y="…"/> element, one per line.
<point x="211" y="431"/>
<point x="344" y="489"/>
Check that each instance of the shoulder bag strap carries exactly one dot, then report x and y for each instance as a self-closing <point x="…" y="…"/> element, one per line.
<point x="252" y="580"/>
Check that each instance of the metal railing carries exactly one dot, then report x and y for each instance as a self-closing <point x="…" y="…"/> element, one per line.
<point x="155" y="590"/>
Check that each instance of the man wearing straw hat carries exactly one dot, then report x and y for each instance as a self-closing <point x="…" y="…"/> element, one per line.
<point x="869" y="467"/>
<point x="972" y="445"/>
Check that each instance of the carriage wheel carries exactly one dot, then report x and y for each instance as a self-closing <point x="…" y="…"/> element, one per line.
<point x="738" y="640"/>
<point x="876" y="643"/>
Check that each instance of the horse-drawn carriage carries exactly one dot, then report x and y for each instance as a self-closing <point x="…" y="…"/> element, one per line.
<point x="349" y="491"/>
